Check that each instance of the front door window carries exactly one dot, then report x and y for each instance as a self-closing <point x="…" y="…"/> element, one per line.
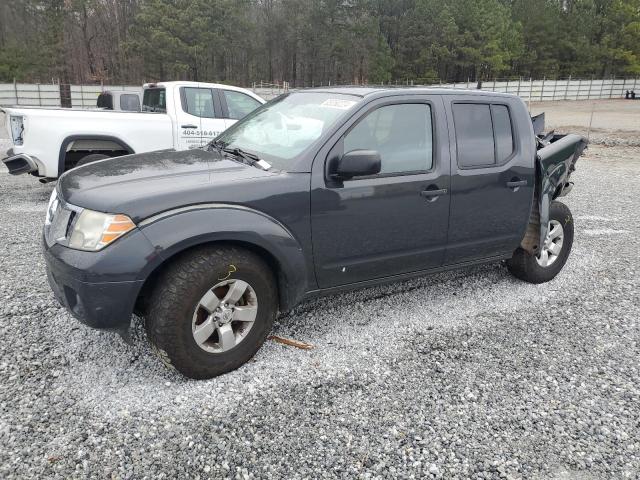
<point x="402" y="134"/>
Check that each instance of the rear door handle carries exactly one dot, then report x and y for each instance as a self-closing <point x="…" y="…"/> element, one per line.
<point x="517" y="183"/>
<point x="432" y="195"/>
<point x="189" y="126"/>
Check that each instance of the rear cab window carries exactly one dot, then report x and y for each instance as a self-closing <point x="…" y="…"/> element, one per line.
<point x="154" y="100"/>
<point x="484" y="134"/>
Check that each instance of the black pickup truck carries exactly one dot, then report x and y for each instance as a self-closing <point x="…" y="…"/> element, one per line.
<point x="315" y="192"/>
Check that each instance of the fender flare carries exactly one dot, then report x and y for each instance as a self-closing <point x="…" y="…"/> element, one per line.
<point x="72" y="138"/>
<point x="177" y="230"/>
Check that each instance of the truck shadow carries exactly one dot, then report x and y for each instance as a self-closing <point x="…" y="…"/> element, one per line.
<point x="437" y="288"/>
<point x="108" y="354"/>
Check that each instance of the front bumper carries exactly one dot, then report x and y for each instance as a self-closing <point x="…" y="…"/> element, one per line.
<point x="100" y="289"/>
<point x="98" y="305"/>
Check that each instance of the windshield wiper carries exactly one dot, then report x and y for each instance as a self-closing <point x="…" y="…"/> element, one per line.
<point x="244" y="157"/>
<point x="248" y="158"/>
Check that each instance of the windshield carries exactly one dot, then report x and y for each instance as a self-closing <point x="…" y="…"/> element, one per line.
<point x="283" y="128"/>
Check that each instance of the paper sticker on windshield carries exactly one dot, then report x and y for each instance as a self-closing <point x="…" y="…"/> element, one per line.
<point x="338" y="103"/>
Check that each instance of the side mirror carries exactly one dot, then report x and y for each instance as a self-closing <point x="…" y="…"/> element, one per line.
<point x="357" y="163"/>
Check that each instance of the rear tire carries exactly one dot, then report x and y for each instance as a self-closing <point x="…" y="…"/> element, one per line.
<point x="195" y="322"/>
<point x="553" y="254"/>
<point x="94" y="157"/>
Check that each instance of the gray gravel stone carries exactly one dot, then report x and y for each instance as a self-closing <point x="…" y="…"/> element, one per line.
<point x="467" y="374"/>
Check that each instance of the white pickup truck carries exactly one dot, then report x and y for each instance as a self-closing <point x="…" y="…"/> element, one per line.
<point x="46" y="142"/>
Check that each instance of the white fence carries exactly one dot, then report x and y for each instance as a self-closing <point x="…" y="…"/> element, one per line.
<point x="85" y="96"/>
<point x="29" y="94"/>
<point x="48" y="95"/>
<point x="269" y="90"/>
<point x="568" y="89"/>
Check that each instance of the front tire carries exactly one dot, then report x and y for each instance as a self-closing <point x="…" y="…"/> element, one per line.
<point x="212" y="310"/>
<point x="544" y="266"/>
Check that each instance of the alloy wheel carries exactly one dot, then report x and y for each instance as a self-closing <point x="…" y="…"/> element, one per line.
<point x="224" y="316"/>
<point x="552" y="246"/>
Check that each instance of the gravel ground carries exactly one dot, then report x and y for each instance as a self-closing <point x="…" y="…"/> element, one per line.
<point x="468" y="374"/>
<point x="614" y="122"/>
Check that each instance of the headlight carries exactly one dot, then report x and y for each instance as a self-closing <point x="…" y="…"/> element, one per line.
<point x="95" y="230"/>
<point x="51" y="208"/>
<point x="17" y="129"/>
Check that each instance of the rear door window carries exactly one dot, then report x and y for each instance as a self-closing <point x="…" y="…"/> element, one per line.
<point x="502" y="131"/>
<point x="474" y="134"/>
<point x="484" y="134"/>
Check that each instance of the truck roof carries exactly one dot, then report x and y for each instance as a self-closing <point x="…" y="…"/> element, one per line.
<point x="361" y="91"/>
<point x="220" y="86"/>
<point x="180" y="83"/>
<point x="120" y="91"/>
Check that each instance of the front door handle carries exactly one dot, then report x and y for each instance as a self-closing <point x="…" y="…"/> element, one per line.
<point x="189" y="126"/>
<point x="432" y="195"/>
<point x="516" y="183"/>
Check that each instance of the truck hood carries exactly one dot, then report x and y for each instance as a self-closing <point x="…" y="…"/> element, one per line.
<point x="145" y="184"/>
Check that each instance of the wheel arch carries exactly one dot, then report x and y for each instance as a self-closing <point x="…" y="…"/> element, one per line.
<point x="152" y="279"/>
<point x="101" y="141"/>
<point x="177" y="235"/>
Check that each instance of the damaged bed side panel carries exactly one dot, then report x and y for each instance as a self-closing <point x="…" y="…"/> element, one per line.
<point x="554" y="164"/>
